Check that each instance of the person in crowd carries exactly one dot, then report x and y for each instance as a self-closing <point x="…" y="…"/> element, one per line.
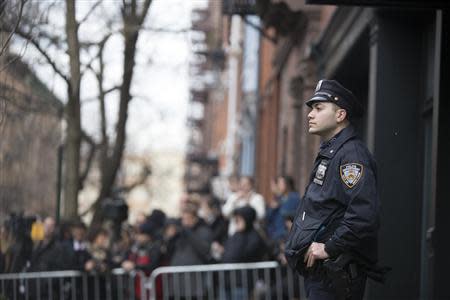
<point x="211" y="212"/>
<point x="76" y="248"/>
<point x="63" y="231"/>
<point x="100" y="255"/>
<point x="17" y="242"/>
<point x="48" y="254"/>
<point x="232" y="187"/>
<point x="245" y="196"/>
<point x="145" y="254"/>
<point x="171" y="229"/>
<point x="141" y="218"/>
<point x="189" y="244"/>
<point x="286" y="199"/>
<point x="122" y="245"/>
<point x="246" y="244"/>
<point x="192" y="240"/>
<point x="99" y="263"/>
<point x="290" y="283"/>
<point x="158" y="219"/>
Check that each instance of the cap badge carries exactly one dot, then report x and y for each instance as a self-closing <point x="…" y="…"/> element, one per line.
<point x="319" y="85"/>
<point x="351" y="174"/>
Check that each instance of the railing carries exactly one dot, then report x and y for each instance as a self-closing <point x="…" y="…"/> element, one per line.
<point x="262" y="280"/>
<point x="74" y="285"/>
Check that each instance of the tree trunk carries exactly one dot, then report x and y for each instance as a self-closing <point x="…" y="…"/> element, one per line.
<point x="73" y="138"/>
<point x="109" y="170"/>
<point x="133" y="21"/>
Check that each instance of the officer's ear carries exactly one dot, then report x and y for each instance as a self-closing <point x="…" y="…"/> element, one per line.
<point x="341" y="115"/>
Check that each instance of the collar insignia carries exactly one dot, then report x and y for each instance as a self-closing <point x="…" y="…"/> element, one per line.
<point x="351" y="173"/>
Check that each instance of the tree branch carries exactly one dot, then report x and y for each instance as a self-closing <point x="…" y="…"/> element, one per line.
<point x="145" y="173"/>
<point x="106" y="92"/>
<point x="89" y="13"/>
<point x="112" y="89"/>
<point x="19" y="18"/>
<point x="144" y="11"/>
<point x="92" y="149"/>
<point x="38" y="47"/>
<point x="90" y="208"/>
<point x="88" y="66"/>
<point x="101" y="46"/>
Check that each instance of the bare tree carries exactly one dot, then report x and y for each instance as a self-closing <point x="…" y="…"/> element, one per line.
<point x="39" y="33"/>
<point x="111" y="152"/>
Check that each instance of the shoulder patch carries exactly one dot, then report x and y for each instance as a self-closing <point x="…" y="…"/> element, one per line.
<point x="351" y="173"/>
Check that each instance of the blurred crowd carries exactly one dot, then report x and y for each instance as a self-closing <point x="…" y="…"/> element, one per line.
<point x="242" y="228"/>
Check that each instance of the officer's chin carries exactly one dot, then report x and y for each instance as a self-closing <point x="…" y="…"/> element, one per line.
<point x="312" y="130"/>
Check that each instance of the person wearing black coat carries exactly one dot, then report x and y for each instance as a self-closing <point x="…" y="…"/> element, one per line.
<point x="191" y="246"/>
<point x="48" y="254"/>
<point x="192" y="241"/>
<point x="333" y="242"/>
<point x="211" y="212"/>
<point x="246" y="244"/>
<point x="76" y="248"/>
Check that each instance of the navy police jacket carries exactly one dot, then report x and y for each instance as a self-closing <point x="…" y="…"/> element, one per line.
<point x="340" y="207"/>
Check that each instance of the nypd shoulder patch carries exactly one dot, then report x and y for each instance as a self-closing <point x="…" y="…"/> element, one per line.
<point x="351" y="173"/>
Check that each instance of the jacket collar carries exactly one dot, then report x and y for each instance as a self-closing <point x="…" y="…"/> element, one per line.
<point x="329" y="148"/>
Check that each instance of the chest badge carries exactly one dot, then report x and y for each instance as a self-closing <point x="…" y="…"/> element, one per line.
<point x="320" y="173"/>
<point x="351" y="173"/>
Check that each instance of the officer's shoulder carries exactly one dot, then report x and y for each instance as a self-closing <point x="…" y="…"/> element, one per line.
<point x="355" y="150"/>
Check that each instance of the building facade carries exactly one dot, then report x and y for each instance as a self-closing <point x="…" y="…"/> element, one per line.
<point x="394" y="56"/>
<point x="31" y="135"/>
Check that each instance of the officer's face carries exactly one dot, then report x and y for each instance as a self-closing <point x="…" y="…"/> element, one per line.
<point x="324" y="119"/>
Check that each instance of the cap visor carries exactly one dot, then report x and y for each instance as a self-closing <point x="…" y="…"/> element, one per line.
<point x="316" y="98"/>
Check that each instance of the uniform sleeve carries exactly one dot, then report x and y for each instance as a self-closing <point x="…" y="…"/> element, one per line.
<point x="357" y="180"/>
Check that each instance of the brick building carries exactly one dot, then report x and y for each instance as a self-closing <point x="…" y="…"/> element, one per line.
<point x="394" y="56"/>
<point x="31" y="132"/>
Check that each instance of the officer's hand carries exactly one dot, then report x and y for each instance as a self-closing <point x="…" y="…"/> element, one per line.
<point x="315" y="251"/>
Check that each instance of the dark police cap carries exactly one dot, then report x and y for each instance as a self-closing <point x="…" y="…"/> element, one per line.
<point x="333" y="91"/>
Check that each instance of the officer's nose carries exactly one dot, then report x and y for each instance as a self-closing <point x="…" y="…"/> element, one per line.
<point x="310" y="115"/>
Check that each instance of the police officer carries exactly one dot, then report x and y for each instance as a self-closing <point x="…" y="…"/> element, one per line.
<point x="339" y="215"/>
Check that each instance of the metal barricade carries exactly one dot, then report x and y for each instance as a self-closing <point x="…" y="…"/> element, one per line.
<point x="261" y="280"/>
<point x="73" y="285"/>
